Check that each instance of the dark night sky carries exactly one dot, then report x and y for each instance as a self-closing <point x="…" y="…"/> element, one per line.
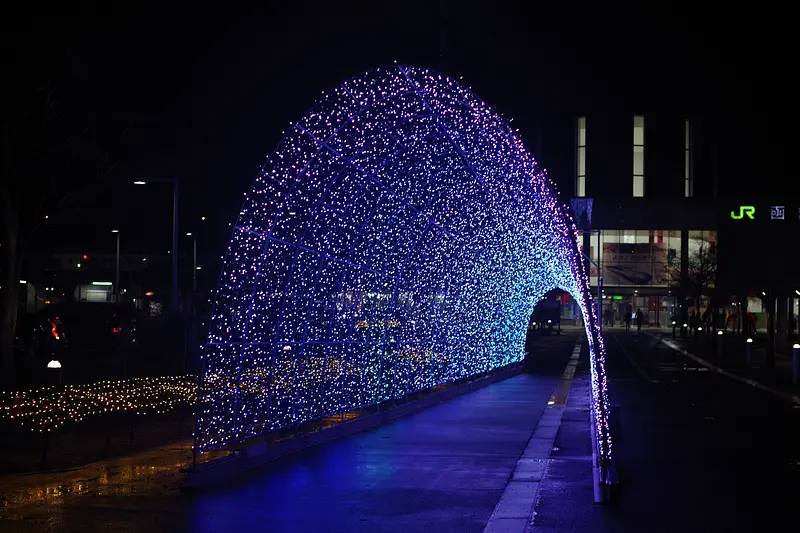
<point x="209" y="92"/>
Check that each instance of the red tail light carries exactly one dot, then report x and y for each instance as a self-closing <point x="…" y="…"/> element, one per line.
<point x="116" y="330"/>
<point x="54" y="330"/>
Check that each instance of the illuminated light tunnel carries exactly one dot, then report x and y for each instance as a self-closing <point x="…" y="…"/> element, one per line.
<point x="398" y="238"/>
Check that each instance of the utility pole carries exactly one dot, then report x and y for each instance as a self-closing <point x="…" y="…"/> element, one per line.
<point x="116" y="282"/>
<point x="175" y="300"/>
<point x="174" y="181"/>
<point x="194" y="260"/>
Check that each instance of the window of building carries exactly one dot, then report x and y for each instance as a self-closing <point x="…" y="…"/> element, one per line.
<point x="638" y="155"/>
<point x="640" y="258"/>
<point x="688" y="184"/>
<point x="580" y="155"/>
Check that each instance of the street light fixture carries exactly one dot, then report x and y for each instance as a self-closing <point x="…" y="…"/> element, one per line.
<point x="174" y="181"/>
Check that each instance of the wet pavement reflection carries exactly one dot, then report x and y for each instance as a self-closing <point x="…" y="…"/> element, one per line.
<point x="41" y="497"/>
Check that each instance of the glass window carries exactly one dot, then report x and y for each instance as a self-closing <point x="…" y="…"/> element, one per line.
<point x="642" y="236"/>
<point x="609" y="235"/>
<point x="638" y="160"/>
<point x="687" y="176"/>
<point x="638" y="130"/>
<point x="628" y="236"/>
<point x="580" y="155"/>
<point x="687" y="162"/>
<point x="674" y="242"/>
<point x="686" y="135"/>
<point x="696" y="240"/>
<point x="638" y="186"/>
<point x="638" y="155"/>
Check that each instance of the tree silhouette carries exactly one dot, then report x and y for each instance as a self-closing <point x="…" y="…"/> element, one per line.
<point x="701" y="274"/>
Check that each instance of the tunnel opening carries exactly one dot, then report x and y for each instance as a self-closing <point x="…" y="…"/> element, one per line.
<point x="555" y="312"/>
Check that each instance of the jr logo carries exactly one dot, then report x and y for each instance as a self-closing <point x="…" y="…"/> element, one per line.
<point x="748" y="210"/>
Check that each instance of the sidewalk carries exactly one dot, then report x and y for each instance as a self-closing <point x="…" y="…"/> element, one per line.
<point x="727" y="353"/>
<point x="564" y="500"/>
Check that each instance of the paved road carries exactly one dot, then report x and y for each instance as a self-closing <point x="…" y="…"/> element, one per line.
<point x="698" y="451"/>
<point x="443" y="469"/>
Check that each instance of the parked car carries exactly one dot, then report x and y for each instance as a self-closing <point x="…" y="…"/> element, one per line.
<point x="76" y="331"/>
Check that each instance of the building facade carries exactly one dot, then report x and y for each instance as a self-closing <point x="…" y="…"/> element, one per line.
<point x="644" y="197"/>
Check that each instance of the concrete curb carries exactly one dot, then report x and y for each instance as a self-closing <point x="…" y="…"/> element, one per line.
<point x="514" y="511"/>
<point x="794" y="398"/>
<point x="260" y="453"/>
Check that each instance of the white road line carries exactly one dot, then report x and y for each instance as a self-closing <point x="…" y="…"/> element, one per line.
<point x="514" y="511"/>
<point x="794" y="398"/>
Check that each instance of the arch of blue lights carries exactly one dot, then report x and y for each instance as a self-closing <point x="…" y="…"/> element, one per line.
<point x="398" y="238"/>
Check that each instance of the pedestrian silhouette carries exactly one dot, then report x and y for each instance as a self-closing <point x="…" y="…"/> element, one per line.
<point x="639" y="320"/>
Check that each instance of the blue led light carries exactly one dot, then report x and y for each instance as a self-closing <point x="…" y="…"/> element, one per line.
<point x="398" y="238"/>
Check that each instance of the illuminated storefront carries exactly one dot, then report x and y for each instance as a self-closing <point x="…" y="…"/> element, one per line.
<point x="641" y="269"/>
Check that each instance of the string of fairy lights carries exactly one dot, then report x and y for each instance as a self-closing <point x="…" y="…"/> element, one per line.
<point x="50" y="408"/>
<point x="398" y="238"/>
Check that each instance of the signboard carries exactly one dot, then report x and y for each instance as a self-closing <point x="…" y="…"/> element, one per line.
<point x="757" y="243"/>
<point x="771" y="211"/>
<point x="744" y="211"/>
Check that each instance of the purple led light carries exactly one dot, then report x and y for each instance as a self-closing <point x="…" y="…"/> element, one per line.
<point x="398" y="238"/>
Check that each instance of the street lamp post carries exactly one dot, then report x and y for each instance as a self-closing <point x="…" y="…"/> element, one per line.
<point x="194" y="261"/>
<point x="116" y="282"/>
<point x="174" y="181"/>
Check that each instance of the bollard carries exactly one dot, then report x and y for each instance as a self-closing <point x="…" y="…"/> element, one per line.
<point x="54" y="367"/>
<point x="673" y="329"/>
<point x="683" y="330"/>
<point x="697" y="332"/>
<point x="796" y="363"/>
<point x="719" y="344"/>
<point x="748" y="351"/>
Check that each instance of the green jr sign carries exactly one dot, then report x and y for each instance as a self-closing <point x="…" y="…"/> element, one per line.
<point x="744" y="210"/>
